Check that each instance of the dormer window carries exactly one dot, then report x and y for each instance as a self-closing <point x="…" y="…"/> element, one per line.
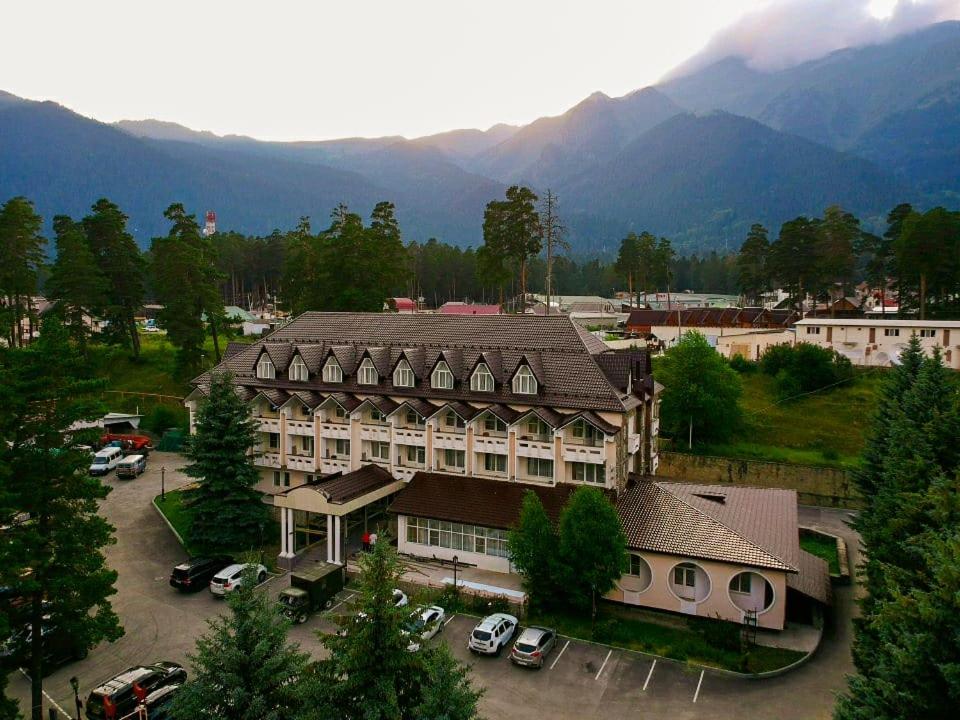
<point x="403" y="375"/>
<point x="266" y="369"/>
<point x="414" y="419"/>
<point x="586" y="434"/>
<point x="442" y="378"/>
<point x="482" y="379"/>
<point x="536" y="429"/>
<point x="524" y="382"/>
<point x="298" y="370"/>
<point x="452" y="421"/>
<point x="332" y="372"/>
<point x="367" y="373"/>
<point x="377" y="417"/>
<point x="491" y="423"/>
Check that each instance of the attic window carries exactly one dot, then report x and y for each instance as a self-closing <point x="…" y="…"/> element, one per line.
<point x="482" y="379"/>
<point x="442" y="378"/>
<point x="524" y="382"/>
<point x="298" y="370"/>
<point x="403" y="375"/>
<point x="713" y="497"/>
<point x="367" y="374"/>
<point x="332" y="372"/>
<point x="266" y="369"/>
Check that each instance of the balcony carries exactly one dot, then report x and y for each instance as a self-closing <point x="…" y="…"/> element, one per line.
<point x="269" y="425"/>
<point x="633" y="443"/>
<point x="300" y="427"/>
<point x="531" y="448"/>
<point x="376" y="433"/>
<point x="404" y="473"/>
<point x="451" y="441"/>
<point x="409" y="436"/>
<point x="570" y="439"/>
<point x="655" y="427"/>
<point x="580" y="453"/>
<point x="337" y="431"/>
<point x="332" y="465"/>
<point x="492" y="445"/>
<point x="267" y="459"/>
<point x="304" y="463"/>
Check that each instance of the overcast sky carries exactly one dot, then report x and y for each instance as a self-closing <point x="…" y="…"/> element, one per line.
<point x="296" y="70"/>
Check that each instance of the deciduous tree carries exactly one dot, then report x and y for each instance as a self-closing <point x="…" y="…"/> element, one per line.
<point x="534" y="546"/>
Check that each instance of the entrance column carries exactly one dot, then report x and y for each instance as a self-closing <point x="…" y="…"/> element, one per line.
<point x="330" y="538"/>
<point x="338" y="538"/>
<point x="286" y="532"/>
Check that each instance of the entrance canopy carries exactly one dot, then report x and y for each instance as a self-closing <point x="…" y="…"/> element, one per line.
<point x="339" y="494"/>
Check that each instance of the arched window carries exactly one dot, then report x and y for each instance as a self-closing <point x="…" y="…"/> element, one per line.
<point x="482" y="379"/>
<point x="332" y="372"/>
<point x="367" y="373"/>
<point x="403" y="375"/>
<point x="265" y="368"/>
<point x="524" y="382"/>
<point x="298" y="370"/>
<point x="442" y="378"/>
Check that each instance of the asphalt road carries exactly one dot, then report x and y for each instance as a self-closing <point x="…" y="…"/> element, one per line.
<point x="580" y="680"/>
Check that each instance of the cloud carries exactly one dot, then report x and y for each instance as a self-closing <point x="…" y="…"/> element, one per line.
<point x="784" y="33"/>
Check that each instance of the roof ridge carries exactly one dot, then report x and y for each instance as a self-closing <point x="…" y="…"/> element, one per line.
<point x="660" y="486"/>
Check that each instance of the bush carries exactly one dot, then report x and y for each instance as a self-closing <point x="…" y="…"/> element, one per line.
<point x="489" y="605"/>
<point x="164" y="417"/>
<point x="804" y="368"/>
<point x="742" y="365"/>
<point x="718" y="633"/>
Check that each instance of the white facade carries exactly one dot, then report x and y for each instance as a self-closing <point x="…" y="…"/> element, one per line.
<point x="879" y="343"/>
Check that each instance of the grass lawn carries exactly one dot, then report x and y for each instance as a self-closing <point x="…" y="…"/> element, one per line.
<point x="822" y="546"/>
<point x="173" y="510"/>
<point x="826" y="428"/>
<point x="712" y="643"/>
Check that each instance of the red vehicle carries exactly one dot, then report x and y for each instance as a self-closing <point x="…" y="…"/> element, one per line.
<point x="128" y="443"/>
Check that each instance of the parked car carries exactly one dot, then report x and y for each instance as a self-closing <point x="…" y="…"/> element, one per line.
<point x="159" y="701"/>
<point x="132" y="466"/>
<point x="425" y="623"/>
<point x="533" y="646"/>
<point x="119" y="692"/>
<point x="59" y="647"/>
<point x="196" y="573"/>
<point x="492" y="634"/>
<point x="105" y="460"/>
<point x="400" y="598"/>
<point x="231" y="577"/>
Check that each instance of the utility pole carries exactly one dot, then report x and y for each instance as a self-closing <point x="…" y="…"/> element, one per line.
<point x="553" y="235"/>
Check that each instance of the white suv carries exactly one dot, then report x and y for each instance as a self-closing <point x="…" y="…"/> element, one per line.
<point x="231" y="577"/>
<point x="492" y="634"/>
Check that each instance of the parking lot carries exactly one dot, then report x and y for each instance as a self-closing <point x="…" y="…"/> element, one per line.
<point x="580" y="679"/>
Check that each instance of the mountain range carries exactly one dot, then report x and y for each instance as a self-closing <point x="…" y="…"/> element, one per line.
<point x="698" y="158"/>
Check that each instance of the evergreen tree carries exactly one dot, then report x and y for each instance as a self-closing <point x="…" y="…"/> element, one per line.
<point x="793" y="258"/>
<point x="534" y="551"/>
<point x="122" y="266"/>
<point x="511" y="230"/>
<point x="244" y="668"/>
<point x="837" y="233"/>
<point x="628" y="260"/>
<point x="448" y="693"/>
<point x="753" y="275"/>
<point x="226" y="512"/>
<point x="56" y="559"/>
<point x="592" y="547"/>
<point x="75" y="281"/>
<point x="22" y="248"/>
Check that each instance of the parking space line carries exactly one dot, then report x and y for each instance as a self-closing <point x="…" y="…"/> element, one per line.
<point x="649" y="675"/>
<point x="699" y="682"/>
<point x="604" y="664"/>
<point x="449" y="620"/>
<point x="557" y="658"/>
<point x="52" y="701"/>
<point x="351" y="597"/>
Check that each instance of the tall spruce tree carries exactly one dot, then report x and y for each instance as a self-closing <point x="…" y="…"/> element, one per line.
<point x="21" y="248"/>
<point x="245" y="668"/>
<point x="534" y="546"/>
<point x="226" y="512"/>
<point x="75" y="281"/>
<point x="511" y="230"/>
<point x="448" y="693"/>
<point x="753" y="271"/>
<point x="122" y="265"/>
<point x="54" y="555"/>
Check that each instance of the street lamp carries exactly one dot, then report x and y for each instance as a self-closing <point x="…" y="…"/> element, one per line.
<point x="75" y="684"/>
<point x="163" y="483"/>
<point x="456" y="587"/>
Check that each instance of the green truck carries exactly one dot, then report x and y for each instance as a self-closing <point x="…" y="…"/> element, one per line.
<point x="311" y="588"/>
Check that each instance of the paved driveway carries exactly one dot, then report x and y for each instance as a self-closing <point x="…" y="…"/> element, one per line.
<point x="584" y="681"/>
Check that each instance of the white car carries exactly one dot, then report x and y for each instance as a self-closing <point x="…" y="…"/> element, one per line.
<point x="231" y="577"/>
<point x="425" y="623"/>
<point x="492" y="634"/>
<point x="400" y="598"/>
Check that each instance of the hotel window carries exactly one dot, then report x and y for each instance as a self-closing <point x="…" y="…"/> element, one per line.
<point x="524" y="382"/>
<point x="403" y="375"/>
<point x="367" y="374"/>
<point x="415" y="419"/>
<point x="265" y="368"/>
<point x="341" y="448"/>
<point x="457" y="536"/>
<point x="377" y="417"/>
<point x="380" y="451"/>
<point x="586" y="434"/>
<point x="685" y="575"/>
<point x="332" y="372"/>
<point x="537" y="429"/>
<point x="298" y="370"/>
<point x="813" y="331"/>
<point x="638" y="566"/>
<point x="454" y="458"/>
<point x="741" y="583"/>
<point x="482" y="379"/>
<point x="538" y="467"/>
<point x="491" y="423"/>
<point x="274" y="441"/>
<point x="306" y="445"/>
<point x="416" y="454"/>
<point x="928" y="333"/>
<point x="453" y="421"/>
<point x="589" y="473"/>
<point x="281" y="479"/>
<point x="442" y="378"/>
<point x="891" y="332"/>
<point x="494" y="463"/>
<point x="339" y="412"/>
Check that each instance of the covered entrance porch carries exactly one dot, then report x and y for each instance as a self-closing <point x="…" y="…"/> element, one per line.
<point x="327" y="518"/>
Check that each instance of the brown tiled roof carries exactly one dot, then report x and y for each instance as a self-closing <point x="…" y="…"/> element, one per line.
<point x="233" y="348"/>
<point x="273" y="395"/>
<point x="478" y="501"/>
<point x="383" y="404"/>
<point x="617" y="365"/>
<point x="508" y="415"/>
<point x="592" y="418"/>
<point x="340" y="489"/>
<point x="713" y="317"/>
<point x="560" y="353"/>
<point x="421" y="406"/>
<point x="345" y="400"/>
<point x="749" y="526"/>
<point x="467" y="412"/>
<point x="308" y="398"/>
<point x="813" y="580"/>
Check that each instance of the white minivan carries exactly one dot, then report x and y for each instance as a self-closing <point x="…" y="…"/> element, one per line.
<point x="105" y="460"/>
<point x="132" y="466"/>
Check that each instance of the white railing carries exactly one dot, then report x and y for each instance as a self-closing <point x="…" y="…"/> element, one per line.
<point x="452" y="441"/>
<point x="406" y="436"/>
<point x="339" y="431"/>
<point x="270" y="460"/>
<point x="529" y="448"/>
<point x="377" y="433"/>
<point x="301" y="462"/>
<point x="633" y="443"/>
<point x="300" y="427"/>
<point x="404" y="473"/>
<point x="579" y="453"/>
<point x="332" y="465"/>
<point x="492" y="445"/>
<point x="269" y="425"/>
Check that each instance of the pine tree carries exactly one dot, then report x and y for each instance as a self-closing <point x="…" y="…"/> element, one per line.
<point x="56" y="559"/>
<point x="226" y="511"/>
<point x="533" y="551"/>
<point x="511" y="230"/>
<point x="75" y="281"/>
<point x="22" y="248"/>
<point x="448" y="693"/>
<point x="244" y="668"/>
<point x="753" y="274"/>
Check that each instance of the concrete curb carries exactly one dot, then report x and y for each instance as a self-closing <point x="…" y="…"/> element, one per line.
<point x="169" y="524"/>
<point x="843" y="556"/>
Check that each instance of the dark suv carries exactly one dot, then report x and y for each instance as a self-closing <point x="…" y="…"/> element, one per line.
<point x="196" y="573"/>
<point x="58" y="647"/>
<point x="120" y="691"/>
